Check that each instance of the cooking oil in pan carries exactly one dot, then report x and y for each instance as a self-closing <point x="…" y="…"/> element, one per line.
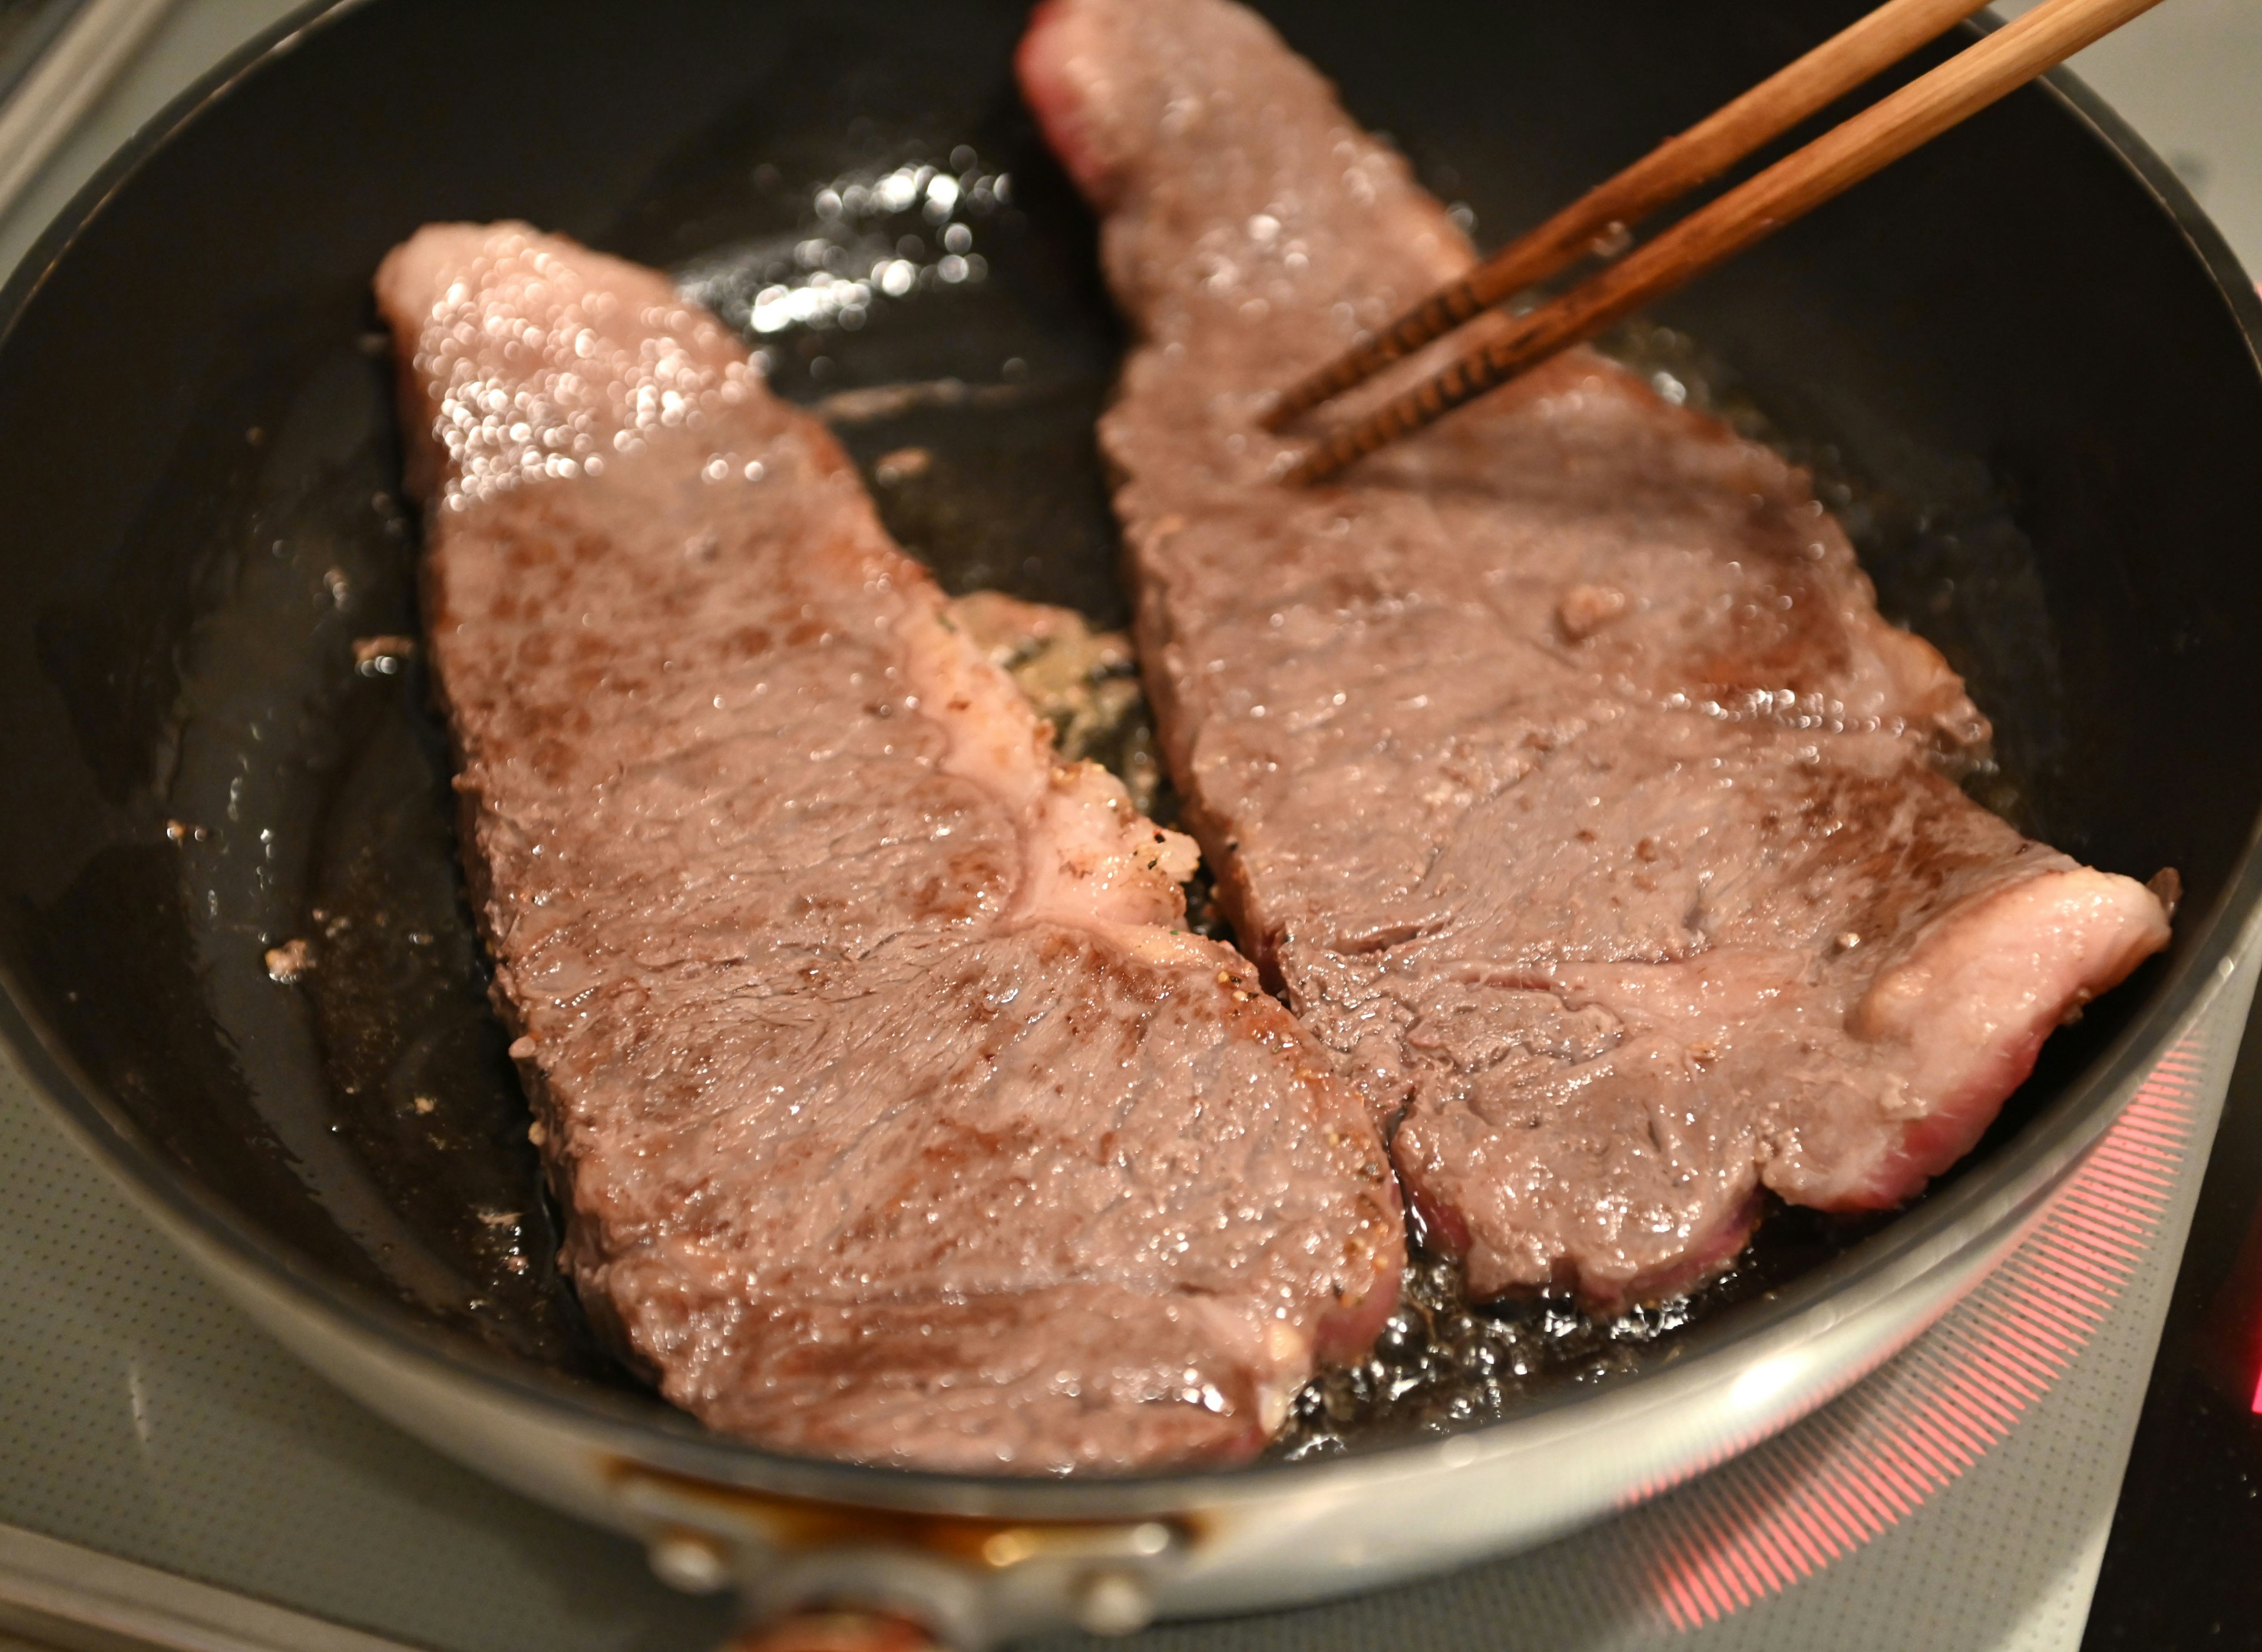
<point x="938" y="305"/>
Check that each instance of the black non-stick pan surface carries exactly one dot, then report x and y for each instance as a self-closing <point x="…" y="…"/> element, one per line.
<point x="2020" y="362"/>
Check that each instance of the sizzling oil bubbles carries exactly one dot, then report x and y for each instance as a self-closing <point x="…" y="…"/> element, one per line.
<point x="866" y="236"/>
<point x="529" y="374"/>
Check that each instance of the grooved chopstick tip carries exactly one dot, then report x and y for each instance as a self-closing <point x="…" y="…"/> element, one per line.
<point x="1306" y="467"/>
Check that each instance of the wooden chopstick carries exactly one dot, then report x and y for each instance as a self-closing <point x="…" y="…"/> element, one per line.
<point x="1928" y="106"/>
<point x="1667" y="172"/>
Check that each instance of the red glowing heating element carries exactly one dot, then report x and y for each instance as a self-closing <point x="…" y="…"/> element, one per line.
<point x="1796" y="1504"/>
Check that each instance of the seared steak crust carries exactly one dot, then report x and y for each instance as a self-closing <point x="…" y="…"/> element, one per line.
<point x="892" y="1115"/>
<point x="1557" y="762"/>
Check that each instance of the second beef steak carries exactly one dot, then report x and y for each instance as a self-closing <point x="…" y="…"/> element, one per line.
<point x="1557" y="762"/>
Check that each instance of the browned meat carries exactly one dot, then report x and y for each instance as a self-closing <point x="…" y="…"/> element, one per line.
<point x="893" y="1117"/>
<point x="1558" y="763"/>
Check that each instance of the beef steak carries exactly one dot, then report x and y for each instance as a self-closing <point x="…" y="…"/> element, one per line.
<point x="892" y="1115"/>
<point x="1557" y="761"/>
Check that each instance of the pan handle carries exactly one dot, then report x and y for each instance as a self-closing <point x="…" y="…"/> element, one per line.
<point x="835" y="1632"/>
<point x="824" y="1577"/>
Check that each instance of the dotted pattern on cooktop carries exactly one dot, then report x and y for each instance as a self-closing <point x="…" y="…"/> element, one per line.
<point x="142" y="1416"/>
<point x="2004" y="1556"/>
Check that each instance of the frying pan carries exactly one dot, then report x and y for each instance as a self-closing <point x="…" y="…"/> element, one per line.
<point x="2024" y="365"/>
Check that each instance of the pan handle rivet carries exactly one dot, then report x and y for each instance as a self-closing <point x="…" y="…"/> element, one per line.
<point x="1114" y="1603"/>
<point x="691" y="1561"/>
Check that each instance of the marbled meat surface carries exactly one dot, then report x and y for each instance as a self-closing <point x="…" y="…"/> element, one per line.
<point x="893" y="1116"/>
<point x="1557" y="762"/>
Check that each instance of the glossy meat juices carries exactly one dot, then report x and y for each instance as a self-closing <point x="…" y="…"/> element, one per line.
<point x="1557" y="762"/>
<point x="893" y="1115"/>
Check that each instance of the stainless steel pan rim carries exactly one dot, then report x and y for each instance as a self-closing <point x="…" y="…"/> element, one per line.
<point x="1917" y="1257"/>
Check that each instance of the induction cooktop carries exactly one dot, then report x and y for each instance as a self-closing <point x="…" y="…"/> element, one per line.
<point x="169" y="1476"/>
